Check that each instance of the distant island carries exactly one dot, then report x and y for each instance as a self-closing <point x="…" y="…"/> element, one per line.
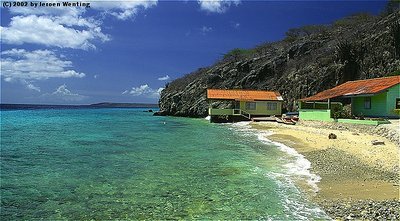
<point x="97" y="105"/>
<point x="124" y="105"/>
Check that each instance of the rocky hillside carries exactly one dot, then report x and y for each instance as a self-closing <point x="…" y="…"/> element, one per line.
<point x="310" y="59"/>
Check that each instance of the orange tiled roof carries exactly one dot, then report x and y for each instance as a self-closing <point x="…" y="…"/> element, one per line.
<point x="352" y="88"/>
<point x="243" y="95"/>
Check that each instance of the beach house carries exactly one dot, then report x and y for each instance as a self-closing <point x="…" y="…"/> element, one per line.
<point x="236" y="105"/>
<point x="378" y="97"/>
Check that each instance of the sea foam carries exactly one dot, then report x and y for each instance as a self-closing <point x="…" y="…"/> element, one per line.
<point x="299" y="168"/>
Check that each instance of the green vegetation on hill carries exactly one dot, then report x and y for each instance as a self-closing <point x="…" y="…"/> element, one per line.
<point x="395" y="73"/>
<point x="237" y="54"/>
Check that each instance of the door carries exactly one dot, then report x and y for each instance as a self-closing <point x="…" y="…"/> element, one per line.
<point x="237" y="105"/>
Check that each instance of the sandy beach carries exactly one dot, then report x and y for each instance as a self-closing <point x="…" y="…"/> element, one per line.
<point x="357" y="178"/>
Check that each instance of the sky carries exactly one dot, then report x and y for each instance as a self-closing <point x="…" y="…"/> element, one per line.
<point x="126" y="51"/>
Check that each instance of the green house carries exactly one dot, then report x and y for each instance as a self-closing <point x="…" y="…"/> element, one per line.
<point x="236" y="105"/>
<point x="375" y="98"/>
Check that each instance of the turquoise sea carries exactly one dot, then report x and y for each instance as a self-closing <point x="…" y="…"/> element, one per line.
<point x="102" y="164"/>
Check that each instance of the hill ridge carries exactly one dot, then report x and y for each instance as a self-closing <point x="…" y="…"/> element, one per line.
<point x="309" y="60"/>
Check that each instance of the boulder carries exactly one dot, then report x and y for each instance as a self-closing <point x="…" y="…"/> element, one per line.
<point x="377" y="142"/>
<point x="332" y="136"/>
<point x="160" y="113"/>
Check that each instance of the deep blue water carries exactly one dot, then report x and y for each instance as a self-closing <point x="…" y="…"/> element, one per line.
<point x="81" y="164"/>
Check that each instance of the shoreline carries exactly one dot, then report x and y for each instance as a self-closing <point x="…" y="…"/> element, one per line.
<point x="358" y="180"/>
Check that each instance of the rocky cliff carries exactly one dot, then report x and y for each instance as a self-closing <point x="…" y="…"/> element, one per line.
<point x="310" y="59"/>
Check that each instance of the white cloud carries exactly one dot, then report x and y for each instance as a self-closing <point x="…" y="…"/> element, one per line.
<point x="235" y="25"/>
<point x="120" y="9"/>
<point x="123" y="9"/>
<point x="56" y="11"/>
<point x="55" y="31"/>
<point x="159" y="90"/>
<point x="27" y="66"/>
<point x="145" y="91"/>
<point x="204" y="30"/>
<point x="67" y="27"/>
<point x="217" y="6"/>
<point x="95" y="76"/>
<point x="165" y="78"/>
<point x="32" y="87"/>
<point x="62" y="94"/>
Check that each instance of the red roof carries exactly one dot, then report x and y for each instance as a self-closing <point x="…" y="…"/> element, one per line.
<point x="353" y="88"/>
<point x="243" y="95"/>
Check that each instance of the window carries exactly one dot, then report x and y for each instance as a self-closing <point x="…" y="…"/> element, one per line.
<point x="367" y="103"/>
<point x="397" y="103"/>
<point x="272" y="106"/>
<point x="250" y="105"/>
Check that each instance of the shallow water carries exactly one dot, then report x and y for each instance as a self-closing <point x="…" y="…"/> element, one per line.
<point x="126" y="164"/>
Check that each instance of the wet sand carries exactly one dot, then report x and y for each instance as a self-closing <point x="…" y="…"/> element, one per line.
<point x="352" y="170"/>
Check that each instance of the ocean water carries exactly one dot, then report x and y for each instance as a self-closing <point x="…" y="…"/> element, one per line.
<point x="101" y="164"/>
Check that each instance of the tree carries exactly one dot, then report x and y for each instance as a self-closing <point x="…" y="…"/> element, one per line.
<point x="351" y="56"/>
<point x="395" y="31"/>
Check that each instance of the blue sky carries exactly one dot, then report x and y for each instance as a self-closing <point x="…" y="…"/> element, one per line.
<point x="125" y="51"/>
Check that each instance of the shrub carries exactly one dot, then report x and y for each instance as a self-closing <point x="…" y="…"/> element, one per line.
<point x="395" y="73"/>
<point x="237" y="54"/>
<point x="341" y="112"/>
<point x="353" y="20"/>
<point x="305" y="31"/>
